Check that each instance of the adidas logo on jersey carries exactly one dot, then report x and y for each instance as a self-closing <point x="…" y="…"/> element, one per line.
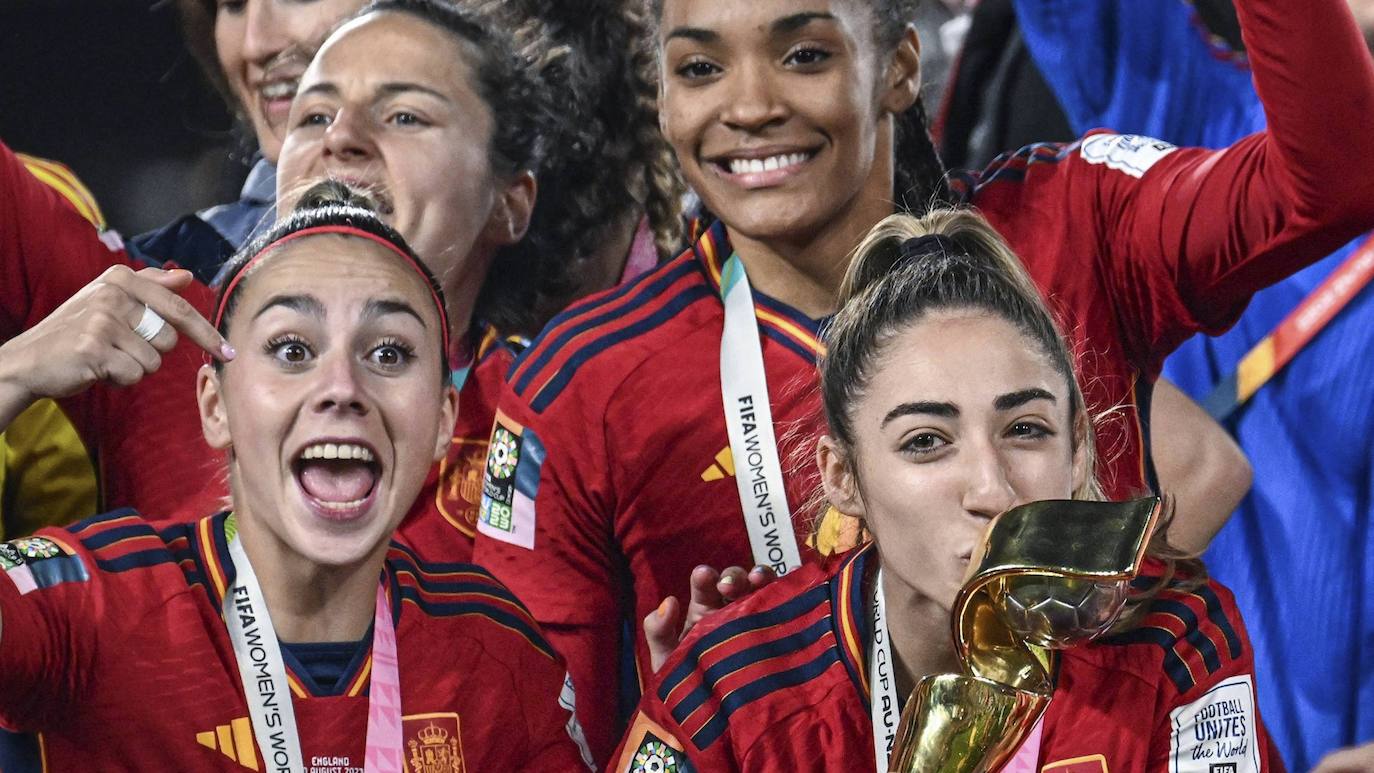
<point x="234" y="740"/>
<point x="723" y="465"/>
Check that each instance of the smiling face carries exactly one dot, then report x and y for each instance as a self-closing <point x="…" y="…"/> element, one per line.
<point x="780" y="111"/>
<point x="391" y="105"/>
<point x="962" y="419"/>
<point x="334" y="409"/>
<point x="263" y="46"/>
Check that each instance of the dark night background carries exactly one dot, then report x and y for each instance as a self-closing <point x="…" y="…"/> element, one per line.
<point x="108" y="88"/>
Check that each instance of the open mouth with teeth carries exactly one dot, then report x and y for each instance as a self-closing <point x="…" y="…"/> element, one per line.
<point x="767" y="164"/>
<point x="339" y="480"/>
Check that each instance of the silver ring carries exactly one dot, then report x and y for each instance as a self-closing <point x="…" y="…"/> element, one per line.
<point x="150" y="325"/>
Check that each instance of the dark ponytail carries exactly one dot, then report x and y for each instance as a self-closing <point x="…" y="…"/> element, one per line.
<point x="919" y="183"/>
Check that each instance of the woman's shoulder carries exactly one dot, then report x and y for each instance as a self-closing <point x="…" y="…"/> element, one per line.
<point x="466" y="598"/>
<point x="801" y="598"/>
<point x="1186" y="639"/>
<point x="602" y="338"/>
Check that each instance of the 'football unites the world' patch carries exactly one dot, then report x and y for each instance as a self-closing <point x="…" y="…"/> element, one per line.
<point x="34" y="563"/>
<point x="1216" y="733"/>
<point x="515" y="458"/>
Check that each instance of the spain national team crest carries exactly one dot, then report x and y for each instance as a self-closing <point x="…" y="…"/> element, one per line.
<point x="654" y="750"/>
<point x="433" y="743"/>
<point x="459" y="493"/>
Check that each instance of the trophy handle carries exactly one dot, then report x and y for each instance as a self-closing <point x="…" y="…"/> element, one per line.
<point x="1047" y="576"/>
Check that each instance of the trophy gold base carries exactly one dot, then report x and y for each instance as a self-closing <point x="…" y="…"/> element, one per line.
<point x="963" y="724"/>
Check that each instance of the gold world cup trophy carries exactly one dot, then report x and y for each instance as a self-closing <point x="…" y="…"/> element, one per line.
<point x="1047" y="576"/>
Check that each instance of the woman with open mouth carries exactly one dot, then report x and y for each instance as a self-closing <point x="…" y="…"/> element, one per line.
<point x="290" y="628"/>
<point x="429" y="107"/>
<point x="798" y="123"/>
<point x="950" y="398"/>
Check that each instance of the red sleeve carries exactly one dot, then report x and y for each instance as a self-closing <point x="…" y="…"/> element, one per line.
<point x="655" y="736"/>
<point x="544" y="530"/>
<point x="556" y="740"/>
<point x="1187" y="236"/>
<point x="50" y="605"/>
<point x="48" y="252"/>
<point x="1208" y="711"/>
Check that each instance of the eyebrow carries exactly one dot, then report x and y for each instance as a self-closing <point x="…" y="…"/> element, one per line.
<point x="786" y="24"/>
<point x="923" y="408"/>
<point x="1004" y="402"/>
<point x="796" y="21"/>
<point x="386" y="89"/>
<point x="1017" y="399"/>
<point x="302" y="304"/>
<point x="698" y="34"/>
<point x="378" y="308"/>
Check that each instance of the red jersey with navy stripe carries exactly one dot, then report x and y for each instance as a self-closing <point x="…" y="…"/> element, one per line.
<point x="623" y="483"/>
<point x="114" y="654"/>
<point x="147" y="439"/>
<point x="779" y="682"/>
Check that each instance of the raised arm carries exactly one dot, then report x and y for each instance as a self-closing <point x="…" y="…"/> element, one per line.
<point x="1186" y="236"/>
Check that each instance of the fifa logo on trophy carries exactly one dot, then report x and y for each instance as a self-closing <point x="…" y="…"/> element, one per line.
<point x="1047" y="576"/>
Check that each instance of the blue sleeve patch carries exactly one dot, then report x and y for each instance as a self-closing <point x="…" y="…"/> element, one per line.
<point x="34" y="563"/>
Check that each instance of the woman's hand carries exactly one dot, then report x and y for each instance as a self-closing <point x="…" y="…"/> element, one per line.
<point x="92" y="338"/>
<point x="665" y="627"/>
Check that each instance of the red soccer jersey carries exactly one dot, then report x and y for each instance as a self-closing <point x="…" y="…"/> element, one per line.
<point x="1135" y="244"/>
<point x="779" y="682"/>
<point x="115" y="654"/>
<point x="147" y="439"/>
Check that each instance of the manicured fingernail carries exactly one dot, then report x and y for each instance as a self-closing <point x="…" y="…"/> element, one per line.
<point x="662" y="610"/>
<point x="228" y="351"/>
<point x="727" y="579"/>
<point x="759" y="568"/>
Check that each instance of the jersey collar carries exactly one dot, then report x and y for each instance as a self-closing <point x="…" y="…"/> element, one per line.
<point x="777" y="320"/>
<point x="218" y="570"/>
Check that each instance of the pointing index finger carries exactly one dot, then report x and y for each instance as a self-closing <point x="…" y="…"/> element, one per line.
<point x="180" y="314"/>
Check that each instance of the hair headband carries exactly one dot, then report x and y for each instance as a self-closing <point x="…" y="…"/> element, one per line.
<point x="343" y="230"/>
<point x="930" y="244"/>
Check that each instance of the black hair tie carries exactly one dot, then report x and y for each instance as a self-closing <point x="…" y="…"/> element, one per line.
<point x="930" y="244"/>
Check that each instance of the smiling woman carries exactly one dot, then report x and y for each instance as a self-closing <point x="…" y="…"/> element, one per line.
<point x="950" y="397"/>
<point x="799" y="124"/>
<point x="290" y="618"/>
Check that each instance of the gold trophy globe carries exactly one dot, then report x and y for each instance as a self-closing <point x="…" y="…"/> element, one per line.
<point x="1047" y="576"/>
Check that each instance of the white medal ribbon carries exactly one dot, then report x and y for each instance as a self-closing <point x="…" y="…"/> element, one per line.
<point x="749" y="421"/>
<point x="882" y="681"/>
<point x="261" y="668"/>
<point x="263" y="674"/>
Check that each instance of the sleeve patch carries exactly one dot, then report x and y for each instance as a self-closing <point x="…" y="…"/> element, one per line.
<point x="515" y="458"/>
<point x="34" y="563"/>
<point x="1216" y="733"/>
<point x="652" y="749"/>
<point x="1131" y="154"/>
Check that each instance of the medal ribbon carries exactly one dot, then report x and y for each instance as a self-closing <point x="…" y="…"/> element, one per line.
<point x="749" y="421"/>
<point x="1275" y="350"/>
<point x="263" y="674"/>
<point x="882" y="681"/>
<point x="883" y="705"/>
